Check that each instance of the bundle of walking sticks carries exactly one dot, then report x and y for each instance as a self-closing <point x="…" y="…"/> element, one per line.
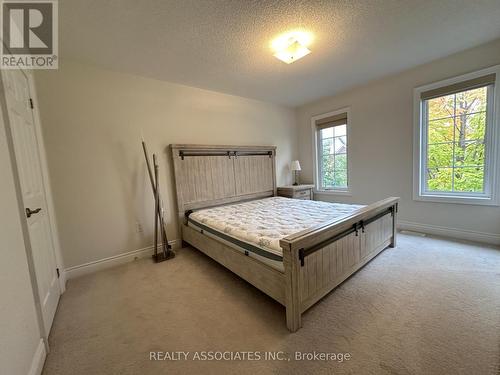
<point x="166" y="251"/>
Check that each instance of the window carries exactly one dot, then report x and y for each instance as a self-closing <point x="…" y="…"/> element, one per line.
<point x="331" y="151"/>
<point x="457" y="140"/>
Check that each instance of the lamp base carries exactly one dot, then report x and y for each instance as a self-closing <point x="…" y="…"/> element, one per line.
<point x="295" y="178"/>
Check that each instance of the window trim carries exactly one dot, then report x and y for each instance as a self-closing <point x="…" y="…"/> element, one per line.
<point x="492" y="142"/>
<point x="317" y="187"/>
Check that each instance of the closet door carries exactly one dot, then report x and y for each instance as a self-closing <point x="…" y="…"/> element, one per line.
<point x="24" y="137"/>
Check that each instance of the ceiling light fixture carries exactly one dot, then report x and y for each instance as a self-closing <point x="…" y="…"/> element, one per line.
<point x="291" y="46"/>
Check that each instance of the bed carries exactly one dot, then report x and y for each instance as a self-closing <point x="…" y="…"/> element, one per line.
<point x="295" y="251"/>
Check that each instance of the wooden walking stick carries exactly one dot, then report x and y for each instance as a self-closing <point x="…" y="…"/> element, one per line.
<point x="167" y="253"/>
<point x="155" y="256"/>
<point x="160" y="203"/>
<point x="165" y="246"/>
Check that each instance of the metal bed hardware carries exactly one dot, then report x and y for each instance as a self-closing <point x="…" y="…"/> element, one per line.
<point x="355" y="228"/>
<point x="229" y="154"/>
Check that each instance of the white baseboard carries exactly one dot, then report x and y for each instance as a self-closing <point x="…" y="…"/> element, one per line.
<point x="62" y="281"/>
<point x="38" y="359"/>
<point x="97" y="265"/>
<point x="462" y="234"/>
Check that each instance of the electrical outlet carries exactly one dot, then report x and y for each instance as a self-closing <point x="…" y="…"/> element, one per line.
<point x="138" y="227"/>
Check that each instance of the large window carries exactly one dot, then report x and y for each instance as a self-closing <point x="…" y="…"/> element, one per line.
<point x="457" y="140"/>
<point x="331" y="148"/>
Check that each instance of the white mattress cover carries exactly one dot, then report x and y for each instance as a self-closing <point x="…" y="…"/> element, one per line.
<point x="264" y="222"/>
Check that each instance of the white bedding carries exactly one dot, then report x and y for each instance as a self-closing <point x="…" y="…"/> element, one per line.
<point x="264" y="222"/>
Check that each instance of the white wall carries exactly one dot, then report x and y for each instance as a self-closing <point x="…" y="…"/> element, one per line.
<point x="19" y="330"/>
<point x="381" y="143"/>
<point x="92" y="121"/>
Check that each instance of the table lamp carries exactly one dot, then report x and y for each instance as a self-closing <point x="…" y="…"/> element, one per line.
<point x="295" y="167"/>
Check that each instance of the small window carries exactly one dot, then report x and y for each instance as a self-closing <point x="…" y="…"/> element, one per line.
<point x="332" y="166"/>
<point x="456" y="128"/>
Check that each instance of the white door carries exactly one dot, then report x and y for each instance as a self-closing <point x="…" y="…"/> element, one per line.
<point x="28" y="162"/>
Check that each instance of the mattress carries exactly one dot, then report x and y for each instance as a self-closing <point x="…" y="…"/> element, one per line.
<point x="256" y="227"/>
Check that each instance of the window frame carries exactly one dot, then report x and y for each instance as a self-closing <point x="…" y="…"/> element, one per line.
<point x="318" y="189"/>
<point x="492" y="144"/>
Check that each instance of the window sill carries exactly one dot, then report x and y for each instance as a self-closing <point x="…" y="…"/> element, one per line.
<point x="346" y="193"/>
<point x="477" y="201"/>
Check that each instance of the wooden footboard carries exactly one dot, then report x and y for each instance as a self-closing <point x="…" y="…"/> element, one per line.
<point x="319" y="259"/>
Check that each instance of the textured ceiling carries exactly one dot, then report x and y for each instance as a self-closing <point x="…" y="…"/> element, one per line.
<point x="223" y="45"/>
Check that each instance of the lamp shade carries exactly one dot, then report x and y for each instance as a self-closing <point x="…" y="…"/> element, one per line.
<point x="295" y="165"/>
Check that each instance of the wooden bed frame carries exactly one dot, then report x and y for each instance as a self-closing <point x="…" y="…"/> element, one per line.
<point x="315" y="260"/>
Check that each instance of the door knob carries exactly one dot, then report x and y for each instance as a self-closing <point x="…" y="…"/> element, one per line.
<point x="30" y="212"/>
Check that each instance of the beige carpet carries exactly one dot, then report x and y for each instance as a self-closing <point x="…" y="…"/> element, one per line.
<point x="430" y="306"/>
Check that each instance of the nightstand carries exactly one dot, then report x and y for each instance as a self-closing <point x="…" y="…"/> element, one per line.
<point x="296" y="191"/>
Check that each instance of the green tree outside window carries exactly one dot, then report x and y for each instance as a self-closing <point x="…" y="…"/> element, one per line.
<point x="456" y="126"/>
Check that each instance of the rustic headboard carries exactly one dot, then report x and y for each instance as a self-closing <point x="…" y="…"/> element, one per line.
<point x="208" y="175"/>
